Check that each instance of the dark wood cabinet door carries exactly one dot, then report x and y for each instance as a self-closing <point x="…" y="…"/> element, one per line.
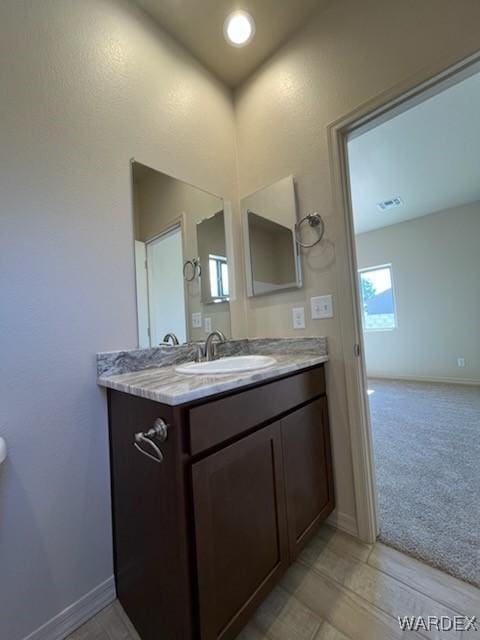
<point x="240" y="529"/>
<point x="308" y="471"/>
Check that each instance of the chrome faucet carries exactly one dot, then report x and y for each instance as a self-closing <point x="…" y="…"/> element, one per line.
<point x="172" y="337"/>
<point x="209" y="344"/>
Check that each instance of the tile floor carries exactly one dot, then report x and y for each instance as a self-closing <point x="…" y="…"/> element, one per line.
<point x="339" y="589"/>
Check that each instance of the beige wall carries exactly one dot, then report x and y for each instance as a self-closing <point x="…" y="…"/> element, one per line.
<point x="271" y="253"/>
<point x="159" y="202"/>
<point x="85" y="86"/>
<point x="436" y="274"/>
<point x="347" y="55"/>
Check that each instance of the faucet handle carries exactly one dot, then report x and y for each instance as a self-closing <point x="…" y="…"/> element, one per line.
<point x="215" y="346"/>
<point x="199" y="356"/>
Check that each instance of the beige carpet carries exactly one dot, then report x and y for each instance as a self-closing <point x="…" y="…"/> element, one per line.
<point x="427" y="455"/>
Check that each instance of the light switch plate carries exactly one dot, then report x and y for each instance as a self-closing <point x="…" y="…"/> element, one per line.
<point x="197" y="320"/>
<point x="208" y="325"/>
<point x="322" y="307"/>
<point x="298" y="314"/>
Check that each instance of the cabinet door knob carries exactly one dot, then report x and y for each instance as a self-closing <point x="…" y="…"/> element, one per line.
<point x="159" y="431"/>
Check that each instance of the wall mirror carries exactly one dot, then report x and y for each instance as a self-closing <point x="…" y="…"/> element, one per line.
<point x="181" y="262"/>
<point x="272" y="260"/>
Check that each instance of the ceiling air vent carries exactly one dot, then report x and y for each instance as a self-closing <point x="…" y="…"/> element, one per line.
<point x="389" y="204"/>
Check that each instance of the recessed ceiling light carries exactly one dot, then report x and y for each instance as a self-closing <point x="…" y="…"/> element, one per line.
<point x="239" y="28"/>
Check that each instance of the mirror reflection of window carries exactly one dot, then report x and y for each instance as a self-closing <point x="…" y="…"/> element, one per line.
<point x="212" y="252"/>
<point x="218" y="272"/>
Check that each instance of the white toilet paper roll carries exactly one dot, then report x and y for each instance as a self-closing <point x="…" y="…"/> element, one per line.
<point x="3" y="450"/>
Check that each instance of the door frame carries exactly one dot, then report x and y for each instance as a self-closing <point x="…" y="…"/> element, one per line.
<point x="430" y="80"/>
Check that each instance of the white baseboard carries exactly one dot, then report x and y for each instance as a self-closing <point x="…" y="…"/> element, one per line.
<point x="344" y="522"/>
<point x="77" y="613"/>
<point x="388" y="376"/>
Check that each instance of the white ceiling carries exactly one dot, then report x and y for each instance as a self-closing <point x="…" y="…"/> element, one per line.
<point x="428" y="155"/>
<point x="198" y="26"/>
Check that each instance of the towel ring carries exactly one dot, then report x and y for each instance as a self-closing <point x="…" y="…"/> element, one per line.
<point x="196" y="269"/>
<point x="314" y="220"/>
<point x="158" y="431"/>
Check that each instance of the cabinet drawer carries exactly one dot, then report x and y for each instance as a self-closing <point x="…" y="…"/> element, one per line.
<point x="220" y="420"/>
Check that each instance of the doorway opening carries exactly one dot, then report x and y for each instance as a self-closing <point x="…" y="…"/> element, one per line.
<point x="160" y="287"/>
<point x="414" y="185"/>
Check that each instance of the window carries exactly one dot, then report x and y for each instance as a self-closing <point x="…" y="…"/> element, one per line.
<point x="378" y="302"/>
<point x="218" y="277"/>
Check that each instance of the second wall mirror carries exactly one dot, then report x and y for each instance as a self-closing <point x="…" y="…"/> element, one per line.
<point x="272" y="260"/>
<point x="177" y="226"/>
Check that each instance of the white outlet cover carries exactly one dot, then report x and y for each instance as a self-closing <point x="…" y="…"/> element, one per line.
<point x="460" y="362"/>
<point x="197" y="320"/>
<point x="298" y="315"/>
<point x="208" y="325"/>
<point x="322" y="307"/>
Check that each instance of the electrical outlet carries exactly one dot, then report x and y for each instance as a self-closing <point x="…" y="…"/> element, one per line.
<point x="298" y="314"/>
<point x="460" y="362"/>
<point x="322" y="307"/>
<point x="208" y="325"/>
<point x="197" y="320"/>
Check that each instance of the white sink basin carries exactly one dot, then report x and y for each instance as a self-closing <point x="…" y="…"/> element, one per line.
<point x="235" y="364"/>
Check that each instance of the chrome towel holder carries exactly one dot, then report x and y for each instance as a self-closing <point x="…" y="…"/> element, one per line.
<point x="196" y="269"/>
<point x="314" y="220"/>
<point x="159" y="431"/>
<point x="3" y="450"/>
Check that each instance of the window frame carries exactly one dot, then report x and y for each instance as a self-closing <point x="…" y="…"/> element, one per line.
<point x="387" y="265"/>
<point x="219" y="262"/>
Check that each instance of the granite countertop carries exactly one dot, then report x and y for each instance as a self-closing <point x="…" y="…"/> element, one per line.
<point x="163" y="384"/>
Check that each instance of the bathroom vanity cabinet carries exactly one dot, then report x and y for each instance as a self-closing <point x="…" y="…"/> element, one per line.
<point x="201" y="537"/>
